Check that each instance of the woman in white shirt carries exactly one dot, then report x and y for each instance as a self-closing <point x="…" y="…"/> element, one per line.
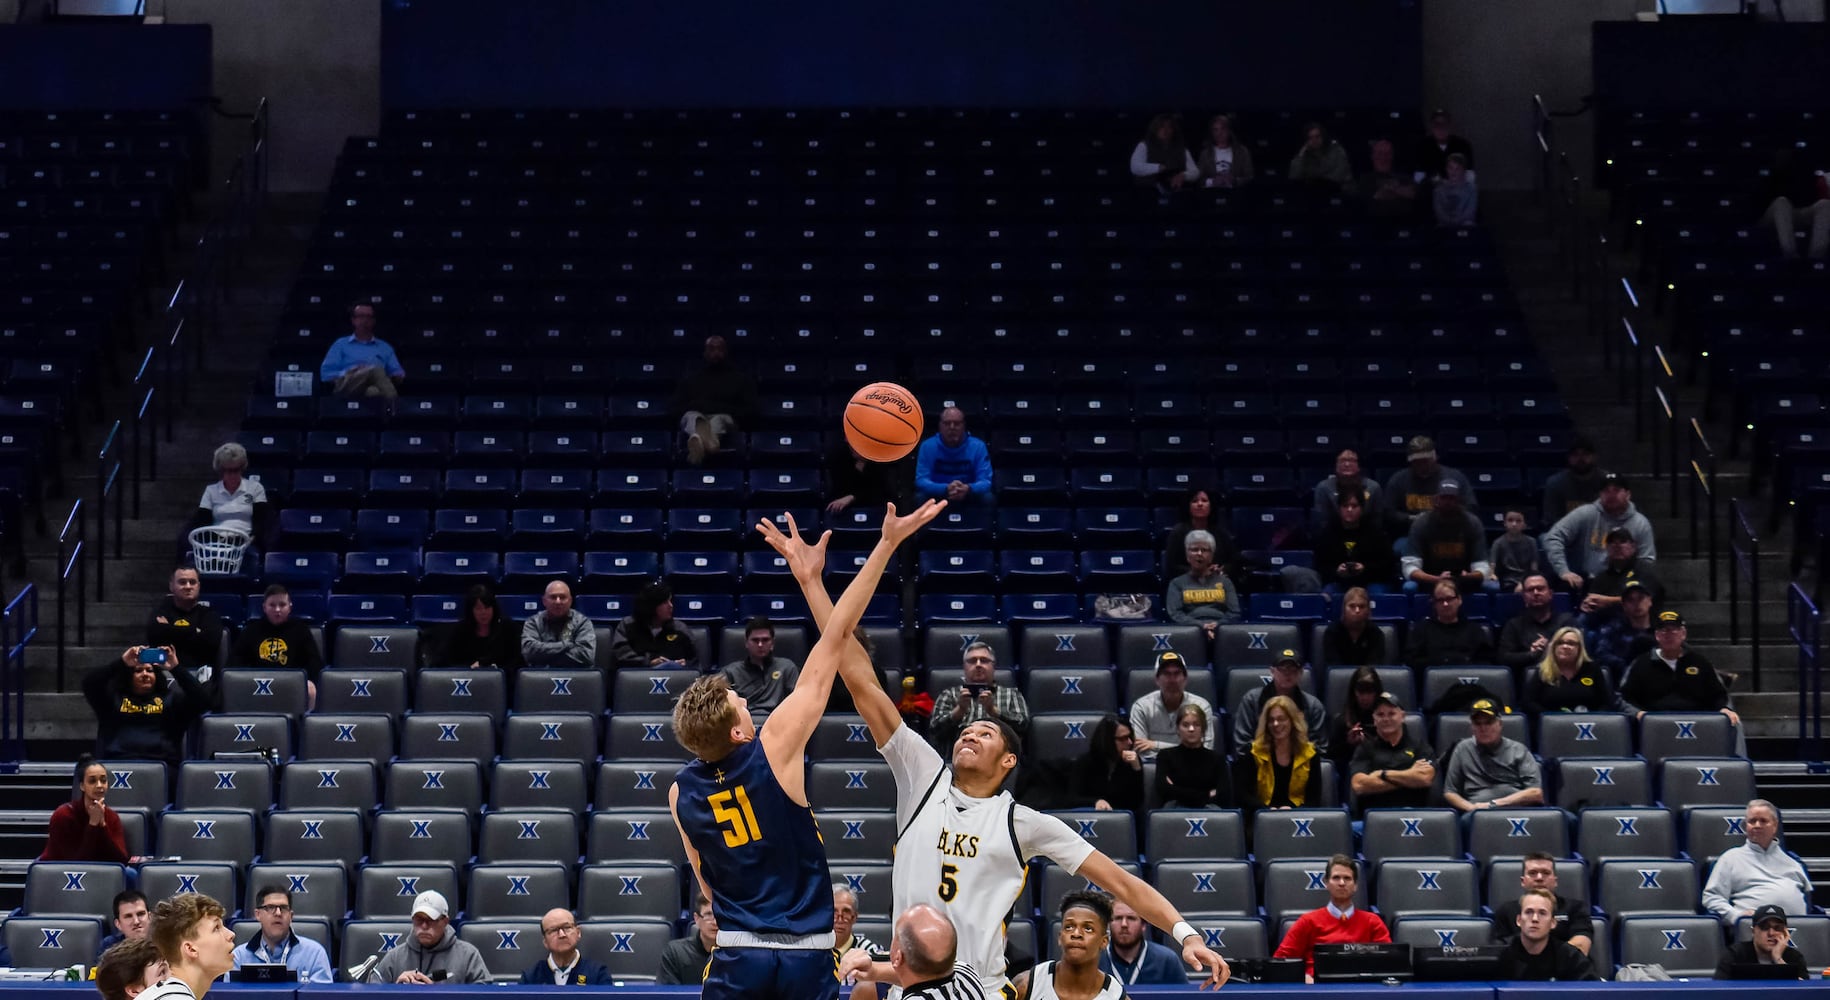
<point x="234" y="501"/>
<point x="1162" y="159"/>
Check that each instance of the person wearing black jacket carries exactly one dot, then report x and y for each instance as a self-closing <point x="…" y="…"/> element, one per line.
<point x="1354" y="641"/>
<point x="1446" y="638"/>
<point x="1671" y="678"/>
<point x="191" y="628"/>
<point x="276" y="639"/>
<point x="1771" y="945"/>
<point x="1525" y="637"/>
<point x="1189" y="775"/>
<point x="714" y="401"/>
<point x="852" y="479"/>
<point x="1533" y="955"/>
<point x="1110" y="775"/>
<point x="482" y="636"/>
<point x="650" y="637"/>
<point x="1353" y="551"/>
<point x="142" y="709"/>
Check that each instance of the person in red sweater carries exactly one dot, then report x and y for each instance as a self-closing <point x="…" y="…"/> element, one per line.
<point x="1340" y="922"/>
<point x="84" y="828"/>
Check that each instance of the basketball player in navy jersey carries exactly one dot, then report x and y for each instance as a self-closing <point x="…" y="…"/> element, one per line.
<point x="743" y="814"/>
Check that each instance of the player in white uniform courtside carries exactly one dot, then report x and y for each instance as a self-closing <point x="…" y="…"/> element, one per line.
<point x="1076" y="975"/>
<point x="964" y="843"/>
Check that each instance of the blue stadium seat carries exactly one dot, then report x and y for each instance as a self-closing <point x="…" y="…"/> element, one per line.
<point x="491" y="449"/>
<point x="480" y="487"/>
<point x="390" y="570"/>
<point x="1104" y="485"/>
<point x="462" y="528"/>
<point x="311" y="529"/>
<point x="767" y="573"/>
<point x="532" y="571"/>
<point x="1042" y="609"/>
<point x="1035" y="527"/>
<point x="546" y="529"/>
<point x="691" y="570"/>
<point x="630" y="449"/>
<point x="1031" y="485"/>
<point x="372" y="609"/>
<point x="389" y="528"/>
<point x="1113" y="527"/>
<point x="619" y="571"/>
<point x="704" y="609"/>
<point x="341" y="487"/>
<point x="785" y="487"/>
<point x="1037" y="570"/>
<point x="1120" y="571"/>
<point x="937" y="609"/>
<point x="403" y="488"/>
<point x="960" y="528"/>
<point x="704" y="527"/>
<point x="709" y="488"/>
<point x="562" y="449"/>
<point x="302" y="570"/>
<point x="957" y="571"/>
<point x="786" y="448"/>
<point x="555" y="486"/>
<point x="621" y="487"/>
<point x="456" y="571"/>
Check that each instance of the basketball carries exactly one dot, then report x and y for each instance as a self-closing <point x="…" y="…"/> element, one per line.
<point x="883" y="422"/>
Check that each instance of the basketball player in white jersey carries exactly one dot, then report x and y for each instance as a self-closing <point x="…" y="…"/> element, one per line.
<point x="964" y="844"/>
<point x="1076" y="975"/>
<point x="197" y="948"/>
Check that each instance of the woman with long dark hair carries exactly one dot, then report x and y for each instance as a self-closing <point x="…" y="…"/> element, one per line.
<point x="1200" y="512"/>
<point x="482" y="636"/>
<point x="84" y="828"/>
<point x="1162" y="159"/>
<point x="1354" y="722"/>
<point x="649" y="637"/>
<point x="1189" y="775"/>
<point x="144" y="702"/>
<point x="1110" y="775"/>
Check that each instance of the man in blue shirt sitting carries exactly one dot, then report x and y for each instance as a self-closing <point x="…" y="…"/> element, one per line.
<point x="1133" y="960"/>
<point x="563" y="965"/>
<point x="362" y="364"/>
<point x="952" y="465"/>
<point x="276" y="944"/>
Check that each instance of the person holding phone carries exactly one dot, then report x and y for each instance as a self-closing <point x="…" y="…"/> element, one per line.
<point x="978" y="697"/>
<point x="143" y="704"/>
<point x="432" y="953"/>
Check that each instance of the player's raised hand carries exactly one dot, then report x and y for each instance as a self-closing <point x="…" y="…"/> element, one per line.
<point x="1200" y="956"/>
<point x="805" y="561"/>
<point x="898" y="529"/>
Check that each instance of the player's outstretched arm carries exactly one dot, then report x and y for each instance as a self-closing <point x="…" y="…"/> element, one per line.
<point x="792" y="723"/>
<point x="1150" y="904"/>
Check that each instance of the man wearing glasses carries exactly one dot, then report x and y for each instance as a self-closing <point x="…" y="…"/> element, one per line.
<point x="563" y="965"/>
<point x="276" y="944"/>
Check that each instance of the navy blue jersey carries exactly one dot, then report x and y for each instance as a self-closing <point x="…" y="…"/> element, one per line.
<point x="760" y="851"/>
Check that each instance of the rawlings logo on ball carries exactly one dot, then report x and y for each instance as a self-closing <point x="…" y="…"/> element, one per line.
<point x="900" y="402"/>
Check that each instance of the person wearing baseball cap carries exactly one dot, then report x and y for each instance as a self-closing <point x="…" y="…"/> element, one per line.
<point x="1616" y="639"/>
<point x="1411" y="491"/>
<point x="1153" y="717"/>
<point x="432" y="953"/>
<point x="1671" y="678"/>
<point x="1577" y="484"/>
<point x="1599" y="546"/>
<point x="1447" y="543"/>
<point x="1770" y="944"/>
<point x="1390" y="769"/>
<point x="1488" y="770"/>
<point x="1286" y="680"/>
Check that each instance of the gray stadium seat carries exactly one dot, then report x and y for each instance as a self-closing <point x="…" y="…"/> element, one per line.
<point x="1426" y="886"/>
<point x="418" y="835"/>
<point x="538" y="784"/>
<point x="1194" y="834"/>
<point x="634" y="835"/>
<point x="1585" y="734"/>
<point x="858" y="834"/>
<point x="851" y="784"/>
<point x="791" y="641"/>
<point x="870" y="880"/>
<point x="610" y="891"/>
<point x="633" y="784"/>
<point x="1503" y="879"/>
<point x="461" y="690"/>
<point x="448" y="737"/>
<point x="387" y="891"/>
<point x="329" y="784"/>
<point x="1207" y="888"/>
<point x="1397" y="680"/>
<point x="1442" y="931"/>
<point x="1255" y="644"/>
<point x="341" y="736"/>
<point x="318" y="889"/>
<point x="1810" y="935"/>
<point x="626" y="946"/>
<point x="362" y="690"/>
<point x="1236" y="937"/>
<point x="263" y="690"/>
<point x="208" y="836"/>
<point x="137" y="784"/>
<point x="1113" y="831"/>
<point x="366" y="647"/>
<point x="1060" y="735"/>
<point x="555" y="736"/>
<point x="1684" y="782"/>
<point x="1710" y="830"/>
<point x="1292" y="888"/>
<point x="72" y="888"/>
<point x="1683" y="945"/>
<point x="522" y="889"/>
<point x="225" y="784"/>
<point x="1140" y="645"/>
<point x="1514" y="833"/>
<point x="1603" y="833"/>
<point x="842" y="737"/>
<point x="334" y="835"/>
<point x="1394" y="649"/>
<point x="1584" y="782"/>
<point x="1685" y="734"/>
<point x="1241" y="681"/>
<point x="435" y="784"/>
<point x="642" y="737"/>
<point x="604" y="660"/>
<point x="136" y="830"/>
<point x="1139" y="683"/>
<point x="560" y="691"/>
<point x="888" y="648"/>
<point x="648" y="691"/>
<point x="244" y="734"/>
<point x="52" y="942"/>
<point x="215" y="879"/>
<point x="1057" y="882"/>
<point x="1411" y="833"/>
<point x="1073" y="647"/>
<point x="528" y="835"/>
<point x="508" y="947"/>
<point x="1075" y="689"/>
<point x="1646" y="885"/>
<point x="1453" y="727"/>
<point x="361" y="938"/>
<point x="1438" y="680"/>
<point x="1278" y="834"/>
<point x="943" y="646"/>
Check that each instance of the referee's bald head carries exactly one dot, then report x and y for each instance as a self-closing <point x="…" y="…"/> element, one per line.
<point x="925" y="944"/>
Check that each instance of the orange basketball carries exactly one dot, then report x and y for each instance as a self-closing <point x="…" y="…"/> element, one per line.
<point x="883" y="422"/>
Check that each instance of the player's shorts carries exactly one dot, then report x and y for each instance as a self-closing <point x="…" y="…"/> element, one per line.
<point x="770" y="974"/>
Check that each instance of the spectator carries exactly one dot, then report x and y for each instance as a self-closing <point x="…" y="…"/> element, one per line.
<point x="1132" y="959"/>
<point x="1387" y="193"/>
<point x="234" y="501"/>
<point x="649" y="636"/>
<point x="1354" y="641"/>
<point x="563" y="965"/>
<point x="276" y="944"/>
<point x="1110" y="775"/>
<point x="1758" y="873"/>
<point x="1455" y="198"/>
<point x="1347" y="476"/>
<point x="1514" y="555"/>
<point x="844" y="920"/>
<point x="433" y="948"/>
<point x="1446" y="545"/>
<point x="1525" y="638"/>
<point x="1617" y="638"/>
<point x="1578" y="483"/>
<point x="953" y="465"/>
<point x="1411" y="491"/>
<point x="1671" y="678"/>
<point x="143" y="705"/>
<point x="1191" y="775"/>
<point x="1446" y="638"/>
<point x="1786" y="186"/>
<point x="1321" y="161"/>
<point x="1390" y="769"/>
<point x="191" y="628"/>
<point x="482" y="636"/>
<point x="362" y="365"/>
<point x="1572" y="924"/>
<point x="276" y="639"/>
<point x="684" y="960"/>
<point x="1204" y="595"/>
<point x="1577" y="544"/>
<point x="196" y="945"/>
<point x="561" y="636"/>
<point x="127" y="970"/>
<point x="1489" y="770"/>
<point x="1339" y="922"/>
<point x="1352" y="550"/>
<point x="1353" y="724"/>
<point x="1567" y="680"/>
<point x="1771" y="944"/>
<point x="1440" y="143"/>
<point x="132" y="919"/>
<point x="1534" y="954"/>
<point x="1154" y="717"/>
<point x="1624" y="567"/>
<point x="1280" y="768"/>
<point x="1225" y="162"/>
<point x="84" y="828"/>
<point x="1286" y="682"/>
<point x="850" y="479"/>
<point x="1162" y="159"/>
<point x="1199" y="514"/>
<point x="761" y="678"/>
<point x="713" y="401"/>
<point x="979" y="696"/>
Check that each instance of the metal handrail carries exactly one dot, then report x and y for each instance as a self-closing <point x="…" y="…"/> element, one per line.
<point x="1806" y="623"/>
<point x="18" y="627"/>
<point x="1744" y="550"/>
<point x="1703" y="481"/>
<point x="107" y="477"/>
<point x="70" y="563"/>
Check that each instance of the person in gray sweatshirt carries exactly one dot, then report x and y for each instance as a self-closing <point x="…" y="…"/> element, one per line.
<point x="1576" y="546"/>
<point x="432" y="952"/>
<point x="1204" y="595"/>
<point x="1758" y="873"/>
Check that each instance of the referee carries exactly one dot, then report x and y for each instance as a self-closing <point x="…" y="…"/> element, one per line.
<point x="922" y="953"/>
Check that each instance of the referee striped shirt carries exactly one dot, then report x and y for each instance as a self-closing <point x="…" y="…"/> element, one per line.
<point x="963" y="984"/>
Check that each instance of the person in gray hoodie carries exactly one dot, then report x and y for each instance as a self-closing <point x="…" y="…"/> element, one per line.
<point x="432" y="953"/>
<point x="1576" y="545"/>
